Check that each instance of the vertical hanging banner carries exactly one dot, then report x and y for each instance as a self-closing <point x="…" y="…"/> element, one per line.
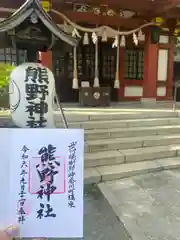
<point x="32" y="91"/>
<point x="42" y="185"/>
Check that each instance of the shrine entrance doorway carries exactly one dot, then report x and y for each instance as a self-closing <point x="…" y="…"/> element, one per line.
<point x="63" y="69"/>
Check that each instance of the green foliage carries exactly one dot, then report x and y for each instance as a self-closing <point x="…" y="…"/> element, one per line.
<point x="5" y="71"/>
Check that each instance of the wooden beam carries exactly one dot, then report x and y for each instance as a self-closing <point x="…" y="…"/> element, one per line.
<point x="5" y="15"/>
<point x="11" y="3"/>
<point x="137" y="5"/>
<point x="145" y="8"/>
<point x="170" y="4"/>
<point x="126" y="4"/>
<point x="172" y="13"/>
<point x="91" y="18"/>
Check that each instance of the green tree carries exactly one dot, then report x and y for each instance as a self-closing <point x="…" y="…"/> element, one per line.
<point x="5" y="71"/>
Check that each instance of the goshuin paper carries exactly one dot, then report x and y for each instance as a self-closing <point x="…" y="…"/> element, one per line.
<point x="42" y="181"/>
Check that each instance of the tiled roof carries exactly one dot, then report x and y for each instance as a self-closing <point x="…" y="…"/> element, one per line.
<point x="34" y="7"/>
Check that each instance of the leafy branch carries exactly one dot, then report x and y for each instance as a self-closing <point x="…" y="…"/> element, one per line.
<point x="5" y="71"/>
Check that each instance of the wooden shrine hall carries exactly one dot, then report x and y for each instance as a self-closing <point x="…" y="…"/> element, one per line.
<point x="125" y="50"/>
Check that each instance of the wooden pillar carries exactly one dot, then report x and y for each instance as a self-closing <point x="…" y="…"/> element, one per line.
<point x="150" y="69"/>
<point x="169" y="91"/>
<point x="46" y="59"/>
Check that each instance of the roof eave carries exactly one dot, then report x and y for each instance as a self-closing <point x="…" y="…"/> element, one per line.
<point x="56" y="30"/>
<point x="14" y="21"/>
<point x="25" y="11"/>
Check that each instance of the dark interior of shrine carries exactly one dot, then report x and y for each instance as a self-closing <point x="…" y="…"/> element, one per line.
<point x="63" y="69"/>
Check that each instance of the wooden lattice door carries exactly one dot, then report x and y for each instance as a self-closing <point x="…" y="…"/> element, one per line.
<point x="107" y="67"/>
<point x="86" y="62"/>
<point x="63" y="72"/>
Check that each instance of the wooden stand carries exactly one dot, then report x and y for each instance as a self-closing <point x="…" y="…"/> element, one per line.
<point x="92" y="97"/>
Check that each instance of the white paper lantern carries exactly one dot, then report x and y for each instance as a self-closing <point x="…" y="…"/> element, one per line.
<point x="31" y="93"/>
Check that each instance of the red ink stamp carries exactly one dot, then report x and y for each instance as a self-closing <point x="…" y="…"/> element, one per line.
<point x="36" y="168"/>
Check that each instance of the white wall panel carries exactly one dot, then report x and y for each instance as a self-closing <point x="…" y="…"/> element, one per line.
<point x="133" y="91"/>
<point x="162" y="65"/>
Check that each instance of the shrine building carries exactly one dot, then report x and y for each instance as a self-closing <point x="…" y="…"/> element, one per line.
<point x="125" y="49"/>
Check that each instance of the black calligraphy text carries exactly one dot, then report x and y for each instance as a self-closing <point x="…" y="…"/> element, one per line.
<point x="71" y="174"/>
<point x="36" y="88"/>
<point x="47" y="170"/>
<point x="23" y="184"/>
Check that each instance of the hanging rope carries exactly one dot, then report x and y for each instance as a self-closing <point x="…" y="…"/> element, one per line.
<point x="101" y="28"/>
<point x="116" y="81"/>
<point x="75" y="84"/>
<point x="96" y="78"/>
<point x="84" y="29"/>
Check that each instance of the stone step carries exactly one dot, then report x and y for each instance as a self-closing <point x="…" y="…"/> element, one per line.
<point x="130" y="123"/>
<point x="94" y="146"/>
<point x="123" y="123"/>
<point x="113" y="172"/>
<point x="87" y="117"/>
<point x="104" y="116"/>
<point x="131" y="132"/>
<point x="131" y="155"/>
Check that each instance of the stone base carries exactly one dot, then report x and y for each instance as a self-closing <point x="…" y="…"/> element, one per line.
<point x="148" y="101"/>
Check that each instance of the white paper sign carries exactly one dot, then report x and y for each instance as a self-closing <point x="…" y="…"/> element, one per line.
<point x="44" y="182"/>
